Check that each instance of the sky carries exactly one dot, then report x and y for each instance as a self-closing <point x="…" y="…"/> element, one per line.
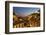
<point x="24" y="11"/>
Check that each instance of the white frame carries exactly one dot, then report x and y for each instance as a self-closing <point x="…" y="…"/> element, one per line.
<point x="11" y="29"/>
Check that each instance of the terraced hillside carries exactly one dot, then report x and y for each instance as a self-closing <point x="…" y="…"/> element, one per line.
<point x="32" y="20"/>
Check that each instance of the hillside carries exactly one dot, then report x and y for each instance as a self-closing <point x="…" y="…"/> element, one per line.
<point x="32" y="20"/>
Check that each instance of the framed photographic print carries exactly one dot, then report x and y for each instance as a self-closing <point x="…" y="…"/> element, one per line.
<point x="24" y="17"/>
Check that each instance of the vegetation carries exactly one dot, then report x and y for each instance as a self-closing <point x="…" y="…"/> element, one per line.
<point x="32" y="20"/>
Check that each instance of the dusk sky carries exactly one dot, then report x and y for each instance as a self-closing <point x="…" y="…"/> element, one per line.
<point x="24" y="11"/>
